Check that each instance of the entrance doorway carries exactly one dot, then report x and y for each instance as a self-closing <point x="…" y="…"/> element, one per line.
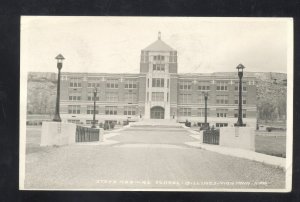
<point x="157" y="113"/>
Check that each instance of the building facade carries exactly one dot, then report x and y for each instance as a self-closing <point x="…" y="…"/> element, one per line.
<point x="157" y="92"/>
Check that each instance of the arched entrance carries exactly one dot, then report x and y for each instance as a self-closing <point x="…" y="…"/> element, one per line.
<point x="157" y="113"/>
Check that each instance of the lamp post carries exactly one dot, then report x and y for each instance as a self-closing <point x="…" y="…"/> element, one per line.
<point x="206" y="125"/>
<point x="94" y="111"/>
<point x="240" y="123"/>
<point x="59" y="59"/>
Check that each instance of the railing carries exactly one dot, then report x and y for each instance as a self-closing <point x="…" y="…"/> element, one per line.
<point x="211" y="136"/>
<point x="84" y="134"/>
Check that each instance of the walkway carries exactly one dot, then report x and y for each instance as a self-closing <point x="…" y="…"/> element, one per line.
<point x="146" y="157"/>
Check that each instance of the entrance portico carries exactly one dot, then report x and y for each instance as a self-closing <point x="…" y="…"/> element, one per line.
<point x="157" y="112"/>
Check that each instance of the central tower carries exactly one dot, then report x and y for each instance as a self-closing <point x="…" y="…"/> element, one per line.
<point x="158" y="62"/>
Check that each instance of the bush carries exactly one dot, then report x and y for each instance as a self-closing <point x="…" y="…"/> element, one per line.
<point x="187" y="123"/>
<point x="112" y="125"/>
<point x="106" y="126"/>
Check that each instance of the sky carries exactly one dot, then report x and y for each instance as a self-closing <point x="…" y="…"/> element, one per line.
<point x="114" y="44"/>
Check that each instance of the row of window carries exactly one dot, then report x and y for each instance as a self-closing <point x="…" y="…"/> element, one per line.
<point x="158" y="96"/>
<point x="109" y="110"/>
<point x="111" y="83"/>
<point x="130" y="110"/>
<point x="220" y="86"/>
<point x="220" y="99"/>
<point x="109" y="96"/>
<point x="159" y="82"/>
<point x="172" y="57"/>
<point x="201" y="112"/>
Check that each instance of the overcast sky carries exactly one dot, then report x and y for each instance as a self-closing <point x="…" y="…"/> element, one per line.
<point x="113" y="44"/>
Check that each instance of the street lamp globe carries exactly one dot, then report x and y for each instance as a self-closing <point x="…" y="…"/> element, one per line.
<point x="59" y="59"/>
<point x="240" y="68"/>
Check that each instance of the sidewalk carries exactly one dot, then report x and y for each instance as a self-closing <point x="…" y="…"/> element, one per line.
<point x="236" y="152"/>
<point x="241" y="153"/>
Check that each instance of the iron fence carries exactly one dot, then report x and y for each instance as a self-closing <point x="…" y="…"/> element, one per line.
<point x="84" y="134"/>
<point x="211" y="136"/>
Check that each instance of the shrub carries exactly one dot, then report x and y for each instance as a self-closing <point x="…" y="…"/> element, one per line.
<point x="106" y="126"/>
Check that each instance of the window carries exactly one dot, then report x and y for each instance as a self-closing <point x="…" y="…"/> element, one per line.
<point x="159" y="57"/>
<point x="129" y="110"/>
<point x="236" y="113"/>
<point x="74" y="97"/>
<point x="75" y="82"/>
<point x="76" y="121"/>
<point x="93" y="84"/>
<point x="222" y="99"/>
<point x="157" y="96"/>
<point x="112" y="83"/>
<point x="222" y="85"/>
<point x="185" y="85"/>
<point x="204" y="85"/>
<point x="185" y="98"/>
<point x="74" y="109"/>
<point x="130" y="97"/>
<point x="130" y="83"/>
<point x="173" y="57"/>
<point x="144" y="56"/>
<point x="236" y="100"/>
<point x="222" y="112"/>
<point x="91" y="121"/>
<point x="112" y="96"/>
<point x="90" y="109"/>
<point x="201" y="112"/>
<point x="111" y="110"/>
<point x="185" y="111"/>
<point x="168" y="83"/>
<point x="218" y="125"/>
<point x="201" y="99"/>
<point x="91" y="96"/>
<point x="158" y="67"/>
<point x="252" y="82"/>
<point x="244" y="86"/>
<point x="158" y="82"/>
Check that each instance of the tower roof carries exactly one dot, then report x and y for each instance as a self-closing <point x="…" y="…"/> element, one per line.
<point x="158" y="45"/>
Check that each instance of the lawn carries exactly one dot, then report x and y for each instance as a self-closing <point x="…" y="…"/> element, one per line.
<point x="271" y="145"/>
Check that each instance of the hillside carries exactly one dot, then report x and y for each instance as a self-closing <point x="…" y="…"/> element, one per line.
<point x="41" y="93"/>
<point x="271" y="93"/>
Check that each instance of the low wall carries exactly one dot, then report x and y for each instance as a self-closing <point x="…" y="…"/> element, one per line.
<point x="201" y="136"/>
<point x="238" y="137"/>
<point x="57" y="133"/>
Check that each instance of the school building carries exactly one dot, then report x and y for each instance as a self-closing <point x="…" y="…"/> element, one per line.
<point x="158" y="91"/>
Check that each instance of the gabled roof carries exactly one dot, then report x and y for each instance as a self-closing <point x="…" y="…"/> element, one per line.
<point x="158" y="45"/>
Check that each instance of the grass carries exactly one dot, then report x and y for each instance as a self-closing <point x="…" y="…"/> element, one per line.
<point x="271" y="145"/>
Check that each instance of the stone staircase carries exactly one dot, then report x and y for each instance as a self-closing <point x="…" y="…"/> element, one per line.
<point x="160" y="123"/>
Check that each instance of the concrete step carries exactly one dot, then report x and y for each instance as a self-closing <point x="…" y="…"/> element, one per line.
<point x="160" y="123"/>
